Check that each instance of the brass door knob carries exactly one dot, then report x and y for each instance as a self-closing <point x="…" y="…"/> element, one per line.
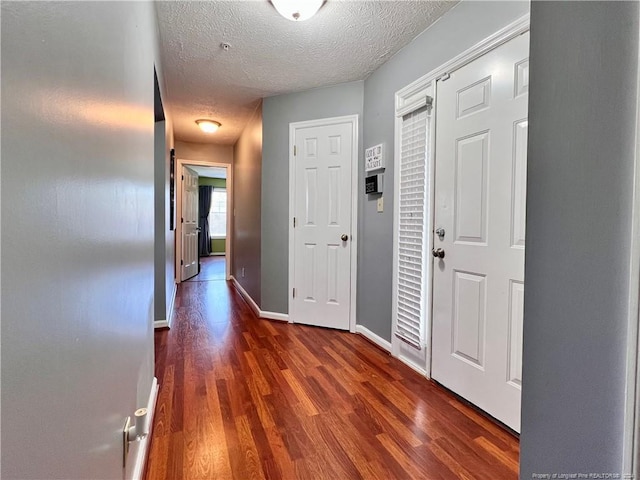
<point x="344" y="237"/>
<point x="438" y="253"/>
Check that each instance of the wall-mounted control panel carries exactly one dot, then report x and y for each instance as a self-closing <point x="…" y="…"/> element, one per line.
<point x="373" y="184"/>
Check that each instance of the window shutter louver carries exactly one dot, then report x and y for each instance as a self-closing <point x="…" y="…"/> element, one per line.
<point x="411" y="240"/>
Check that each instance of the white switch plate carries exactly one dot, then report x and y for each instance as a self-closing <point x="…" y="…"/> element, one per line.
<point x="380" y="204"/>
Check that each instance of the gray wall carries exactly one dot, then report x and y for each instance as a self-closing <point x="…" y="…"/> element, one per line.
<point x="160" y="292"/>
<point x="77" y="233"/>
<point x="204" y="151"/>
<point x="164" y="238"/>
<point x="247" y="172"/>
<point x="165" y="284"/>
<point x="277" y="113"/>
<point x="584" y="59"/>
<point x="460" y="28"/>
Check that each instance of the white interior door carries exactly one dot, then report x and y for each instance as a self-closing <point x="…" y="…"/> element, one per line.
<point x="189" y="264"/>
<point x="480" y="194"/>
<point x="322" y="233"/>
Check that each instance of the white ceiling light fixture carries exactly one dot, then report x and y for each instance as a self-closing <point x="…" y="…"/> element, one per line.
<point x="208" y="126"/>
<point x="297" y="10"/>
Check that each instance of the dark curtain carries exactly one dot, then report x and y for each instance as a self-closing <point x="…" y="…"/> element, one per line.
<point x="204" y="239"/>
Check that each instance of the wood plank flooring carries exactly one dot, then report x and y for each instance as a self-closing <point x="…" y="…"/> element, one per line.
<point x="211" y="268"/>
<point x="245" y="398"/>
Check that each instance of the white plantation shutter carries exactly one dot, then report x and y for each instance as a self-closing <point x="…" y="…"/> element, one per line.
<point x="412" y="220"/>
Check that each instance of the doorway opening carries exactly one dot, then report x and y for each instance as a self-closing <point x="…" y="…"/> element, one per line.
<point x="208" y="213"/>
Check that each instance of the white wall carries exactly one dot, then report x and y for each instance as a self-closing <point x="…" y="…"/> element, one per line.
<point x="77" y="233"/>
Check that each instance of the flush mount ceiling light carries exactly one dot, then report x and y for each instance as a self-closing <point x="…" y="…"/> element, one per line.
<point x="297" y="10"/>
<point x="208" y="126"/>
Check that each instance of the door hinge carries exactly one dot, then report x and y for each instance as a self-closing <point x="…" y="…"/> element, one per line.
<point x="181" y="220"/>
<point x="294" y="222"/>
<point x="444" y="77"/>
<point x="294" y="293"/>
<point x="295" y="150"/>
<point x="181" y="262"/>
<point x="182" y="177"/>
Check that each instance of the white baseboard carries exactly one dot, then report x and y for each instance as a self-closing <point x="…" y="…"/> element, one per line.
<point x="161" y="324"/>
<point x="167" y="323"/>
<point x="422" y="371"/>
<point x="142" y="451"/>
<point x="246" y="296"/>
<point x="379" y="341"/>
<point x="283" y="317"/>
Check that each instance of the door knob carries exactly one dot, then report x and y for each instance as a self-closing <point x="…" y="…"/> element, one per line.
<point x="438" y="253"/>
<point x="344" y="237"/>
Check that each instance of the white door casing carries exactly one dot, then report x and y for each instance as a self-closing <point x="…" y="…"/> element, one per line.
<point x="180" y="163"/>
<point x="189" y="221"/>
<point x="480" y="197"/>
<point x="322" y="249"/>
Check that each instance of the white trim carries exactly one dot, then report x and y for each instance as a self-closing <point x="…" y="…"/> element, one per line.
<point x="282" y="317"/>
<point x="157" y="324"/>
<point x="167" y="323"/>
<point x="408" y="99"/>
<point x="246" y="296"/>
<point x="142" y="451"/>
<point x="171" y="304"/>
<point x="353" y="119"/>
<point x="411" y="98"/>
<point x="372" y="337"/>
<point x="181" y="162"/>
<point x="414" y="366"/>
<point x="631" y="439"/>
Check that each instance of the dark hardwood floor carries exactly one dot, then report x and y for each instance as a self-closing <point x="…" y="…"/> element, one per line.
<point x="211" y="268"/>
<point x="245" y="398"/>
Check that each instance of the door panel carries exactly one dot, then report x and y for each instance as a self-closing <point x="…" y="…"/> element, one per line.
<point x="189" y="223"/>
<point x="469" y="317"/>
<point x="480" y="199"/>
<point x="471" y="188"/>
<point x="322" y="209"/>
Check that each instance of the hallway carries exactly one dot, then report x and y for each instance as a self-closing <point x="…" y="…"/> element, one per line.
<point x="242" y="398"/>
<point x="211" y="268"/>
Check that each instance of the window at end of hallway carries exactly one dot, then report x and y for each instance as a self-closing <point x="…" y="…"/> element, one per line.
<point x="218" y="213"/>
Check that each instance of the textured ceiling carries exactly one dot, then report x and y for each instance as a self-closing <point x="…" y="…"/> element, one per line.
<point x="210" y="172"/>
<point x="269" y="55"/>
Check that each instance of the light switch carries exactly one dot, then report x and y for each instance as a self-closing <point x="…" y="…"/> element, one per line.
<point x="380" y="204"/>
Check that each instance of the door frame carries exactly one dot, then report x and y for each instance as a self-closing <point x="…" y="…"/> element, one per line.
<point x="407" y="100"/>
<point x="180" y="162"/>
<point x="353" y="244"/>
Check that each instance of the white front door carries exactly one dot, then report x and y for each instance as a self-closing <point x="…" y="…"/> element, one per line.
<point x="189" y="264"/>
<point x="480" y="196"/>
<point x="322" y="233"/>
